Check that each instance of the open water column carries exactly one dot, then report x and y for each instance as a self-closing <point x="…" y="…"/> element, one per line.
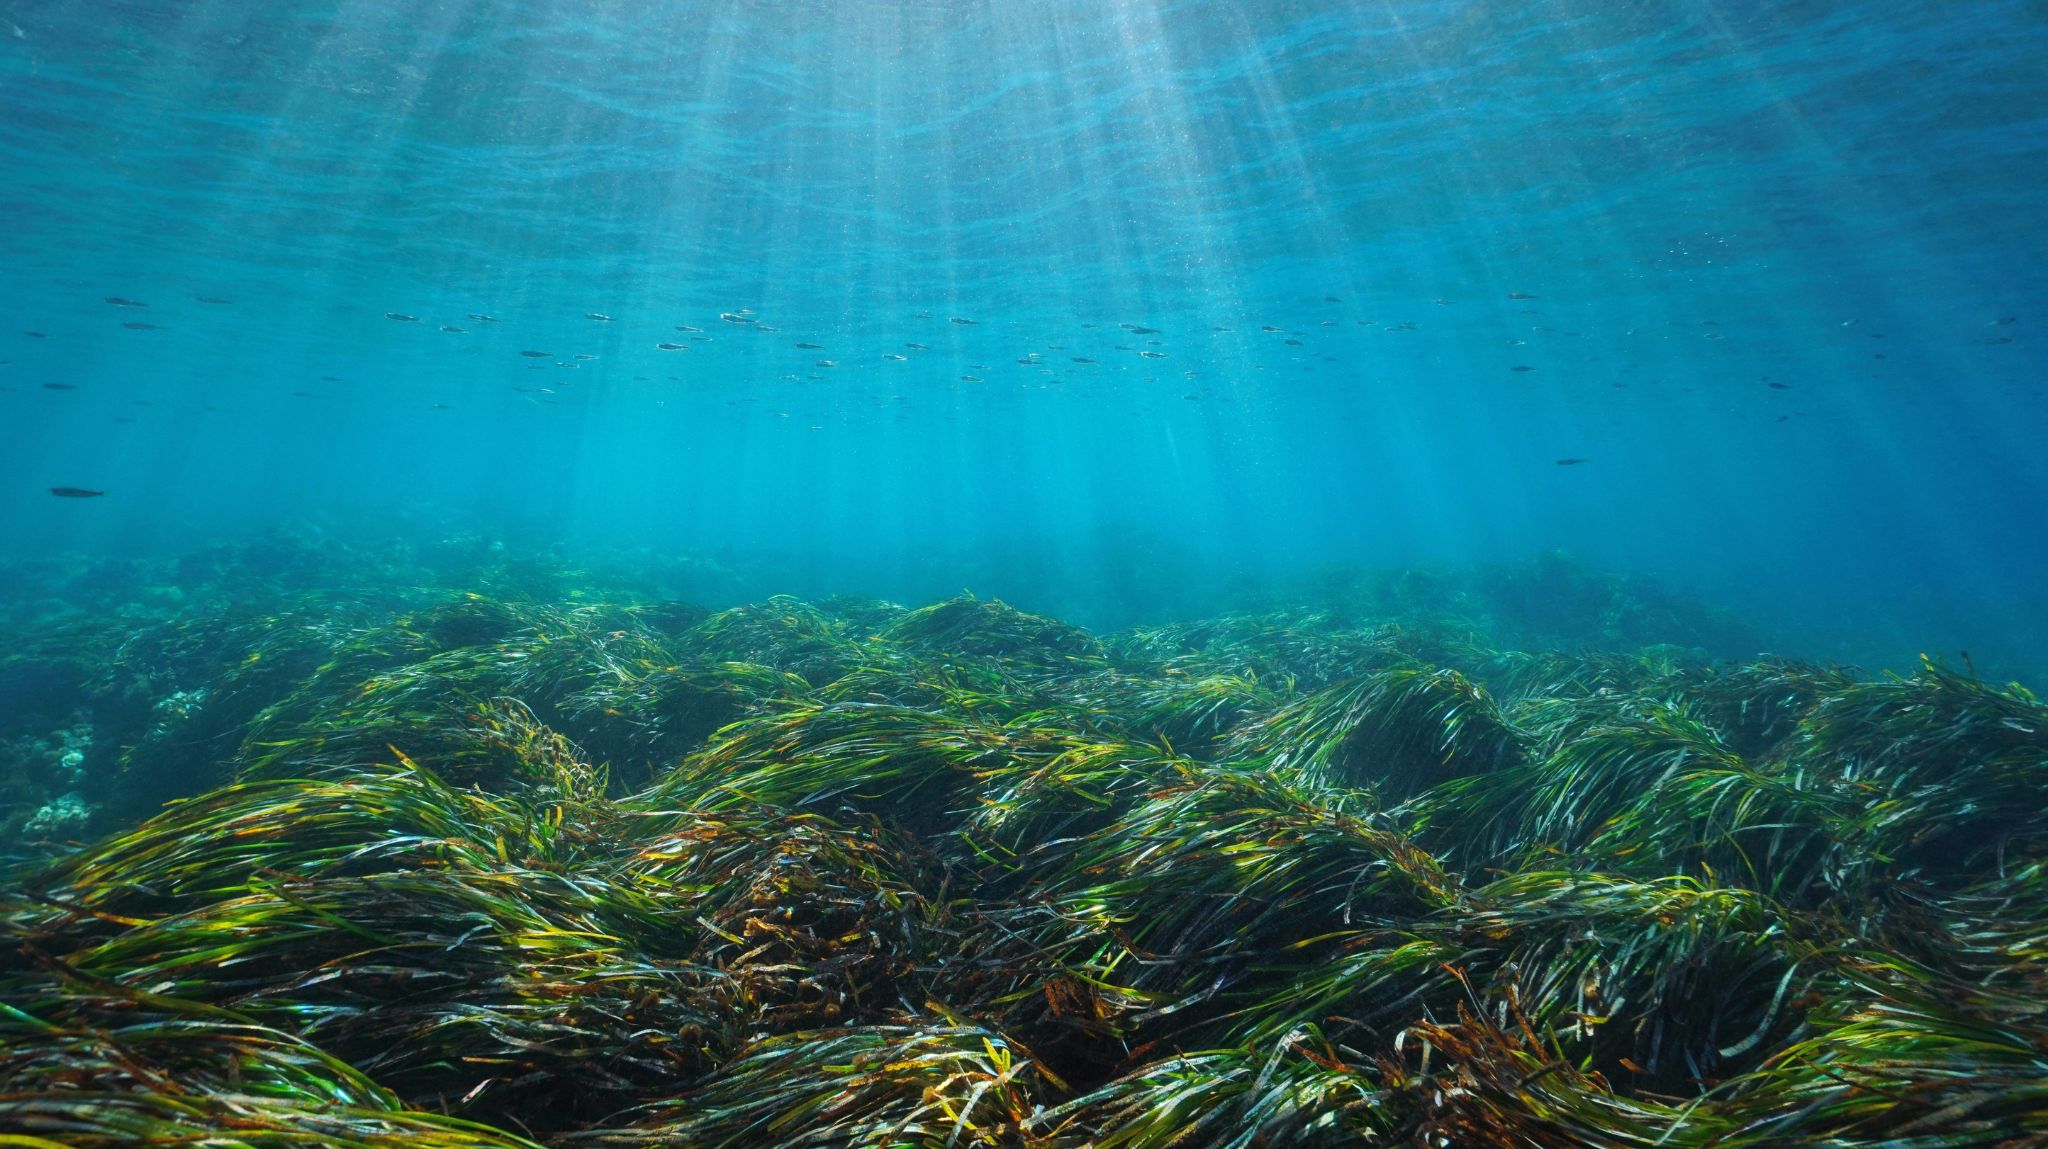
<point x="1023" y="574"/>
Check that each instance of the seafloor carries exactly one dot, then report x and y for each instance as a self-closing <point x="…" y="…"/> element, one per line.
<point x="467" y="850"/>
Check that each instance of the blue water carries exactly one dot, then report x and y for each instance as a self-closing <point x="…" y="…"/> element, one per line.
<point x="1784" y="260"/>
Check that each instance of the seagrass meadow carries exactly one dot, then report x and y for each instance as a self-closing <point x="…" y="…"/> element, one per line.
<point x="521" y="855"/>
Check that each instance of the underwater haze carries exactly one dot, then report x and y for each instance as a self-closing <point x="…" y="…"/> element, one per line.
<point x="1740" y="296"/>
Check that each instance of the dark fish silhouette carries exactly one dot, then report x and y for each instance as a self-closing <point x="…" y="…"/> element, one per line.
<point x="35" y="334"/>
<point x="672" y="346"/>
<point x="735" y="317"/>
<point x="1079" y="359"/>
<point x="453" y="330"/>
<point x="401" y="317"/>
<point x="76" y="493"/>
<point x="1137" y="330"/>
<point x="1779" y="386"/>
<point x="917" y="347"/>
<point x="60" y="386"/>
<point x="117" y="301"/>
<point x="142" y="327"/>
<point x="1292" y="342"/>
<point x="598" y="316"/>
<point x="213" y="299"/>
<point x="537" y="354"/>
<point x="1522" y="295"/>
<point x="960" y="321"/>
<point x="1521" y="367"/>
<point x="1572" y="462"/>
<point x="811" y="346"/>
<point x="482" y="318"/>
<point x="1331" y="299"/>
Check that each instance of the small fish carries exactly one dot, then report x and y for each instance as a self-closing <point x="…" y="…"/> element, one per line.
<point x="735" y="317"/>
<point x="216" y="300"/>
<point x="1526" y="295"/>
<point x="684" y="327"/>
<point x="672" y="346"/>
<point x="1331" y="299"/>
<point x="1781" y="419"/>
<point x="401" y="317"/>
<point x="142" y="327"/>
<point x="2004" y="321"/>
<point x="597" y="317"/>
<point x="1079" y="359"/>
<point x="584" y="358"/>
<point x="1153" y="354"/>
<point x="1291" y="342"/>
<point x="810" y="346"/>
<point x="1137" y="330"/>
<point x="1572" y="462"/>
<point x="1851" y="322"/>
<point x="960" y="321"/>
<point x="35" y="334"/>
<point x="480" y="317"/>
<point x="117" y="301"/>
<point x="537" y="354"/>
<point x="1270" y="329"/>
<point x="1329" y="323"/>
<point x="1521" y="367"/>
<point x="1779" y="386"/>
<point x="330" y="378"/>
<point x="60" y="386"/>
<point x="765" y="327"/>
<point x="443" y="407"/>
<point x="917" y="347"/>
<point x="453" y="330"/>
<point x="76" y="493"/>
<point x="970" y="379"/>
<point x="897" y="358"/>
<point x="825" y="363"/>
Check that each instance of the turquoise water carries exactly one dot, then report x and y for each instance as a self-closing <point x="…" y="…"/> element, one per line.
<point x="1773" y="270"/>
